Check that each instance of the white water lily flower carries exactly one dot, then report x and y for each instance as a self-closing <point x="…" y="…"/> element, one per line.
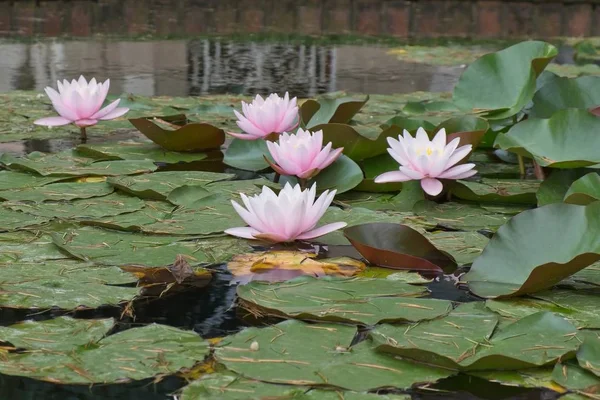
<point x="264" y="117"/>
<point x="427" y="160"/>
<point x="291" y="215"/>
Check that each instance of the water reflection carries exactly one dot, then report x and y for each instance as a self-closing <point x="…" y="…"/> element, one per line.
<point x="201" y="67"/>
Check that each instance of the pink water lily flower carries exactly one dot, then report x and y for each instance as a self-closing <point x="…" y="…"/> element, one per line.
<point x="427" y="160"/>
<point x="291" y="215"/>
<point x="264" y="117"/>
<point x="302" y="154"/>
<point x="79" y="102"/>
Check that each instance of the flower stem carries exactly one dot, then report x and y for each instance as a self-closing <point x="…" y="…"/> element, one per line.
<point x="521" y="166"/>
<point x="539" y="171"/>
<point x="83" y="134"/>
<point x="276" y="178"/>
<point x="302" y="183"/>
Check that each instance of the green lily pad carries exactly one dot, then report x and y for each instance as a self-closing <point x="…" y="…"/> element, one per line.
<point x="58" y="192"/>
<point x="356" y="300"/>
<point x="134" y="354"/>
<point x="63" y="284"/>
<point x="293" y="352"/>
<point x="68" y="164"/>
<point x="537" y="249"/>
<point x="133" y="221"/>
<point x="49" y="335"/>
<point x="573" y="377"/>
<point x="248" y="155"/>
<point x="25" y="246"/>
<point x="527" y="378"/>
<point x="588" y="356"/>
<point x="554" y="188"/>
<point x="398" y="246"/>
<point x="335" y="110"/>
<point x="483" y="86"/>
<point x="119" y="248"/>
<point x="130" y="150"/>
<point x="96" y="207"/>
<point x="517" y="191"/>
<point x="583" y="191"/>
<point x="464" y="247"/>
<point x="566" y="140"/>
<point x="177" y="133"/>
<point x="536" y="340"/>
<point x="559" y="93"/>
<point x="13" y="180"/>
<point x="158" y="185"/>
<point x="12" y="220"/>
<point x="343" y="175"/>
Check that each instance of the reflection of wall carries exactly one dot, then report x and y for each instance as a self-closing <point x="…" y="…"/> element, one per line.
<point x="403" y="18"/>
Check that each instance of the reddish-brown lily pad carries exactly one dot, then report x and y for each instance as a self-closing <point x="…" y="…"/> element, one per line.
<point x="398" y="246"/>
<point x="177" y="133"/>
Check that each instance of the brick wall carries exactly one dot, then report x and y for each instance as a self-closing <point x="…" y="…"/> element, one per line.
<point x="400" y="18"/>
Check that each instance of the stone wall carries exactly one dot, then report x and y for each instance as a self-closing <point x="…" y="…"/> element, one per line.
<point x="399" y="18"/>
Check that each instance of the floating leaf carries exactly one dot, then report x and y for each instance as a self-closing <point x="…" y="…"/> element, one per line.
<point x="573" y="377"/>
<point x="526" y="378"/>
<point x="464" y="247"/>
<point x="67" y="164"/>
<point x="132" y="222"/>
<point x="470" y="129"/>
<point x="13" y="180"/>
<point x="248" y="155"/>
<point x="119" y="248"/>
<point x="343" y="175"/>
<point x="12" y="220"/>
<point x="483" y="85"/>
<point x="335" y="110"/>
<point x="356" y="301"/>
<point x="398" y="246"/>
<point x="554" y="188"/>
<point x="177" y="133"/>
<point x="559" y="93"/>
<point x="588" y="356"/>
<point x="58" y="192"/>
<point x="274" y="266"/>
<point x="159" y="184"/>
<point x="130" y="150"/>
<point x="536" y="340"/>
<point x="134" y="354"/>
<point x="537" y="249"/>
<point x="517" y="191"/>
<point x="64" y="284"/>
<point x="26" y="246"/>
<point x="374" y="166"/>
<point x="566" y="140"/>
<point x="296" y="353"/>
<point x="583" y="191"/>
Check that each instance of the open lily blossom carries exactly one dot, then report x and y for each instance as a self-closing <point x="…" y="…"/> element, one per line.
<point x="80" y="102"/>
<point x="264" y="117"/>
<point x="427" y="160"/>
<point x="291" y="215"/>
<point x="302" y="154"/>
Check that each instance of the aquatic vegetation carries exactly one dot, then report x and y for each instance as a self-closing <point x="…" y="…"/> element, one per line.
<point x="291" y="215"/>
<point x="427" y="160"/>
<point x="302" y="154"/>
<point x="79" y="102"/>
<point x="264" y="118"/>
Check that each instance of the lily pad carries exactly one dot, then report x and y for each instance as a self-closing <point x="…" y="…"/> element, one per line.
<point x="537" y="249"/>
<point x="526" y="378"/>
<point x="96" y="207"/>
<point x="248" y="155"/>
<point x="336" y="110"/>
<point x="68" y="164"/>
<point x="502" y="83"/>
<point x="12" y="220"/>
<point x="554" y="188"/>
<point x="566" y="140"/>
<point x="356" y="301"/>
<point x="159" y="185"/>
<point x="343" y="175"/>
<point x="573" y="377"/>
<point x="13" y="180"/>
<point x="398" y="246"/>
<point x="536" y="340"/>
<point x="588" y="356"/>
<point x="130" y="150"/>
<point x="296" y="353"/>
<point x="559" y="93"/>
<point x="25" y="246"/>
<point x="133" y="221"/>
<point x="464" y="247"/>
<point x="134" y="354"/>
<point x="63" y="284"/>
<point x="584" y="190"/>
<point x="517" y="191"/>
<point x="58" y="192"/>
<point x="280" y="265"/>
<point x="119" y="248"/>
<point x="177" y="133"/>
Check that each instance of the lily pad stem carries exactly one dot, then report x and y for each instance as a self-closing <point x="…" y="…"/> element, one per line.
<point x="83" y="133"/>
<point x="276" y="178"/>
<point x="521" y="165"/>
<point x="302" y="183"/>
<point x="539" y="171"/>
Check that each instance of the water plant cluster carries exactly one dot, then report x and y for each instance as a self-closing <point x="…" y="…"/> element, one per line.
<point x="494" y="185"/>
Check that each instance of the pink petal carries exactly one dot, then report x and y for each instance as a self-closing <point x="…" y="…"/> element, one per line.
<point x="465" y="175"/>
<point x="244" y="232"/>
<point x="322" y="230"/>
<point x="52" y="121"/>
<point x="432" y="186"/>
<point x="458" y="155"/>
<point x="116" y="113"/>
<point x="243" y="136"/>
<point x="412" y="174"/>
<point x="60" y="106"/>
<point x="331" y="158"/>
<point x="458" y="170"/>
<point x="106" y="110"/>
<point x="392" y="176"/>
<point x="82" y="123"/>
<point x="273" y="237"/>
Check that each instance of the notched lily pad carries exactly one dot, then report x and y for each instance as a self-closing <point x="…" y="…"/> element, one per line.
<point x="58" y="192"/>
<point x="584" y="190"/>
<point x="336" y="110"/>
<point x="398" y="246"/>
<point x="356" y="301"/>
<point x="517" y="191"/>
<point x="177" y="133"/>
<point x="131" y="150"/>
